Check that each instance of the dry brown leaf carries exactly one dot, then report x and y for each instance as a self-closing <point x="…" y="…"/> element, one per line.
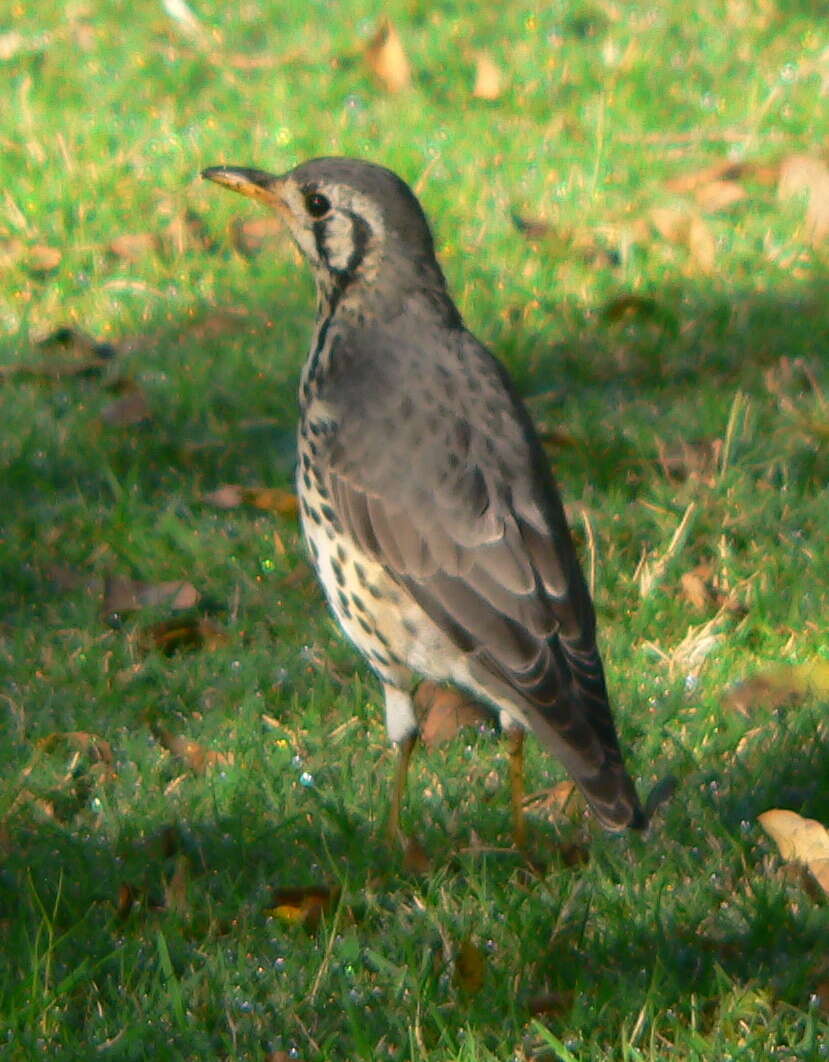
<point x="130" y="409"/>
<point x="272" y="500"/>
<point x="555" y="801"/>
<point x="802" y="840"/>
<point x="780" y="686"/>
<point x="672" y="223"/>
<point x="43" y="259"/>
<point x="97" y="747"/>
<point x="553" y="1004"/>
<point x="701" y="245"/>
<point x="726" y="170"/>
<point x="694" y="587"/>
<point x="821" y="994"/>
<point x="679" y="225"/>
<point x="416" y="858"/>
<point x="175" y="634"/>
<point x="126" y="898"/>
<point x="194" y="755"/>
<point x="631" y="307"/>
<point x="269" y="499"/>
<point x="251" y="235"/>
<point x="387" y="58"/>
<point x="443" y="711"/>
<point x="719" y="195"/>
<point x="303" y="906"/>
<point x="128" y="595"/>
<point x="470" y="967"/>
<point x="805" y="174"/>
<point x="133" y="246"/>
<point x="488" y="79"/>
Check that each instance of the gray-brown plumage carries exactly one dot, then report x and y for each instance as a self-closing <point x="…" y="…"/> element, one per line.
<point x="427" y="502"/>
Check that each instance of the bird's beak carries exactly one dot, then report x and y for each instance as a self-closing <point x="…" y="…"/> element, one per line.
<point x="254" y="183"/>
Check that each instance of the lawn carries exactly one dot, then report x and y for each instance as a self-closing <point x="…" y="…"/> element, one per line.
<point x="195" y="777"/>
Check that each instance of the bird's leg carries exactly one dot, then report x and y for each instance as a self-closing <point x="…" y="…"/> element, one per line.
<point x="401" y="726"/>
<point x="404" y="755"/>
<point x="515" y="752"/>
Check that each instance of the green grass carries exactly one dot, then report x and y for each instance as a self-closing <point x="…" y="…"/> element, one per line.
<point x="691" y="943"/>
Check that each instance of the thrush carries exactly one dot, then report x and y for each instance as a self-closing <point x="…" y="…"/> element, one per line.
<point x="428" y="505"/>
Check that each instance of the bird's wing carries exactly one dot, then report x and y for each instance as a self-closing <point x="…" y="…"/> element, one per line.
<point x="443" y="481"/>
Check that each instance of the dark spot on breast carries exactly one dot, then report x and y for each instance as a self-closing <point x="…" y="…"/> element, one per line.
<point x="344" y="605"/>
<point x="315" y="553"/>
<point x="358" y="603"/>
<point x="306" y="479"/>
<point x="366" y="627"/>
<point x="375" y="591"/>
<point x="409" y="627"/>
<point x="360" y="572"/>
<point x="330" y="515"/>
<point x="379" y="658"/>
<point x="341" y="554"/>
<point x="315" y="516"/>
<point x="337" y="569"/>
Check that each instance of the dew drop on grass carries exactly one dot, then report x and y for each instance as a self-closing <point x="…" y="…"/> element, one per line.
<point x="306" y="779"/>
<point x="235" y="665"/>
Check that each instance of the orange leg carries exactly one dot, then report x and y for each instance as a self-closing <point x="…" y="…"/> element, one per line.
<point x="515" y="751"/>
<point x="404" y="755"/>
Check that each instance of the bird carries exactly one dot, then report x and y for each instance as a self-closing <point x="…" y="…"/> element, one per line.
<point x="428" y="505"/>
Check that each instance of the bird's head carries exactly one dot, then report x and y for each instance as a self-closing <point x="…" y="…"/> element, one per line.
<point x="354" y="221"/>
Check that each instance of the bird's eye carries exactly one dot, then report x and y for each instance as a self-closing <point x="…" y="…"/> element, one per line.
<point x="317" y="204"/>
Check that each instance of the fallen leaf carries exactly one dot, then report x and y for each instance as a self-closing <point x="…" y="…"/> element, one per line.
<point x="272" y="499"/>
<point x="554" y="1004"/>
<point x="303" y="906"/>
<point x="470" y="967"/>
<point x="554" y="801"/>
<point x="132" y="247"/>
<point x="123" y="595"/>
<point x="721" y="172"/>
<point x="701" y="245"/>
<point x="719" y="195"/>
<point x="537" y="229"/>
<point x="672" y="223"/>
<point x="802" y="840"/>
<point x="130" y="409"/>
<point x="777" y="687"/>
<point x="443" y="711"/>
<point x="194" y="755"/>
<point x="821" y="994"/>
<point x="249" y="236"/>
<point x="809" y="176"/>
<point x="415" y="857"/>
<point x="176" y="634"/>
<point x="631" y="307"/>
<point x="43" y="259"/>
<point x="126" y="898"/>
<point x="695" y="588"/>
<point x="387" y="58"/>
<point x="269" y="499"/>
<point x="488" y="79"/>
<point x="99" y="749"/>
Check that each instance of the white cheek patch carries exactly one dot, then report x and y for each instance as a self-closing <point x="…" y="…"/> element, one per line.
<point x="339" y="241"/>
